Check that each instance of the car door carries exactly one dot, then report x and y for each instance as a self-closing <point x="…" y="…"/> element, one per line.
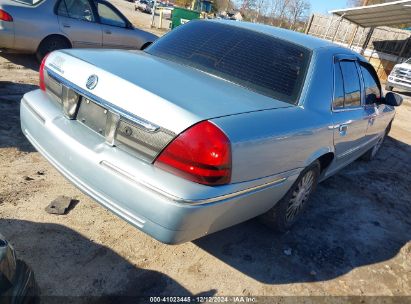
<point x="78" y="21"/>
<point x="117" y="32"/>
<point x="379" y="115"/>
<point x="348" y="111"/>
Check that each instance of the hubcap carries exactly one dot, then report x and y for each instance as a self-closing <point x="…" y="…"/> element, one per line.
<point x="300" y="196"/>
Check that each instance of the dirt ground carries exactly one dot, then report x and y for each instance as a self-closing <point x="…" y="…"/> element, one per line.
<point x="354" y="239"/>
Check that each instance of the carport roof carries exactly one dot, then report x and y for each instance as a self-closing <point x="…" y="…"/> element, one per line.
<point x="386" y="14"/>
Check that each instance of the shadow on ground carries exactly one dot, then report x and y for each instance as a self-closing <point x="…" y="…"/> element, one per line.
<point x="84" y="267"/>
<point x="27" y="60"/>
<point x="10" y="131"/>
<point x="356" y="218"/>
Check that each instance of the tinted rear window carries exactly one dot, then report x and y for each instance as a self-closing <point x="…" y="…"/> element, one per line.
<point x="259" y="62"/>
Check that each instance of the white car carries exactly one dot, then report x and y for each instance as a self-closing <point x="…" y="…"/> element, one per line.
<point x="400" y="77"/>
<point x="144" y="6"/>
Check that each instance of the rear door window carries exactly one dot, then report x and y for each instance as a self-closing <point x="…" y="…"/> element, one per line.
<point x="259" y="62"/>
<point x="108" y="16"/>
<point x="338" y="102"/>
<point x="76" y="9"/>
<point x="352" y="84"/>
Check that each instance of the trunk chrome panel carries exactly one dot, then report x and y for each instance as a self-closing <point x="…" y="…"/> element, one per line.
<point x="127" y="131"/>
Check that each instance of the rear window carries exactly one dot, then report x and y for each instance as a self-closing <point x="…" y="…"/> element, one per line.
<point x="258" y="62"/>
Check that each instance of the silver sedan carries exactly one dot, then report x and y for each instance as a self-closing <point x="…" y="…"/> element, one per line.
<point x="247" y="120"/>
<point x="42" y="26"/>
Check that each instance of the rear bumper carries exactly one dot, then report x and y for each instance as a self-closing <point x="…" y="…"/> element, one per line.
<point x="99" y="171"/>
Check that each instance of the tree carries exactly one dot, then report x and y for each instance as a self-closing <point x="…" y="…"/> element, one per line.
<point x="222" y="5"/>
<point x="297" y="9"/>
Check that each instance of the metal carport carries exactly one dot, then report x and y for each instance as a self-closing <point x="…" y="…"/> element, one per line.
<point x="386" y="14"/>
<point x="371" y="16"/>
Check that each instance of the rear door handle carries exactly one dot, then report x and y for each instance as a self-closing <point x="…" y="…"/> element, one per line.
<point x="66" y="25"/>
<point x="343" y="130"/>
<point x="108" y="32"/>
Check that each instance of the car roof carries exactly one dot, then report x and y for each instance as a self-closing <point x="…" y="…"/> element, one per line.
<point x="307" y="41"/>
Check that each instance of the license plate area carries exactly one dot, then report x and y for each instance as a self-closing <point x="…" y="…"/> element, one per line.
<point x="93" y="116"/>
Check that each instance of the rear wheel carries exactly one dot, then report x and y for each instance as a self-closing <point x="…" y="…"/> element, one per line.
<point x="51" y="44"/>
<point x="287" y="211"/>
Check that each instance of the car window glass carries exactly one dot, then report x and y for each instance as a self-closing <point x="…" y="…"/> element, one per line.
<point x="76" y="9"/>
<point x="338" y="87"/>
<point x="108" y="16"/>
<point x="372" y="89"/>
<point x="352" y="87"/>
<point x="256" y="61"/>
<point x="62" y="9"/>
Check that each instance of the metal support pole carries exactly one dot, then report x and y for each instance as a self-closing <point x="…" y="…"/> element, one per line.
<point x="328" y="27"/>
<point x="153" y="13"/>
<point x="310" y="22"/>
<point x="338" y="26"/>
<point x="353" y="36"/>
<point x="160" y="22"/>
<point x="367" y="40"/>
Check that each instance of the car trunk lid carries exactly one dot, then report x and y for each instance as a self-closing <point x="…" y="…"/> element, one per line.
<point x="162" y="92"/>
<point x="153" y="99"/>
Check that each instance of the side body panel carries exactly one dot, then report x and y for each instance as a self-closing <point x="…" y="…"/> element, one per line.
<point x="267" y="142"/>
<point x="32" y="24"/>
<point x="82" y="34"/>
<point x="119" y="38"/>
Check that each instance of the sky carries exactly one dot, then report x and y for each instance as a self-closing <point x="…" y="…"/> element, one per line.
<point x="323" y="6"/>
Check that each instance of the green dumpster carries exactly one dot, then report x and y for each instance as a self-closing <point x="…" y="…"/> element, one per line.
<point x="182" y="15"/>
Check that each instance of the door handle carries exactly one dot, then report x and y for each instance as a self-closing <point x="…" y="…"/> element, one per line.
<point x="107" y="32"/>
<point x="66" y="25"/>
<point x="371" y="119"/>
<point x="343" y="129"/>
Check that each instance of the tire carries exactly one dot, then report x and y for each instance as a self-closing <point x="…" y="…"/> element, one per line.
<point x="287" y="211"/>
<point x="51" y="44"/>
<point x="388" y="88"/>
<point x="25" y="289"/>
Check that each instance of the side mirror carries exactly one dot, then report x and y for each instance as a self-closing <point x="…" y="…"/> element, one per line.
<point x="392" y="99"/>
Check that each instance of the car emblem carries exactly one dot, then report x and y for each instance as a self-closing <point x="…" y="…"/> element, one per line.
<point x="92" y="82"/>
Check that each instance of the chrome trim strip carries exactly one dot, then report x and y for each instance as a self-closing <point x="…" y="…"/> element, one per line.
<point x="352" y="150"/>
<point x="141" y="122"/>
<point x="179" y="200"/>
<point x="128" y="216"/>
<point x="32" y="110"/>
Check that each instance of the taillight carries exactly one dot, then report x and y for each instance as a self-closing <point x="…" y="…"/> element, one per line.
<point x="42" y="84"/>
<point x="4" y="16"/>
<point x="201" y="154"/>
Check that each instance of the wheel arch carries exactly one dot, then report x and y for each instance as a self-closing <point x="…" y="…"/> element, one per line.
<point x="145" y="45"/>
<point x="55" y="35"/>
<point x="324" y="155"/>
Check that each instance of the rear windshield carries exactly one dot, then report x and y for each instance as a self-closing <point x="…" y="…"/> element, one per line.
<point x="29" y="2"/>
<point x="258" y="62"/>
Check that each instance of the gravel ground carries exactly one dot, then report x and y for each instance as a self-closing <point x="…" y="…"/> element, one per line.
<point x="354" y="239"/>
